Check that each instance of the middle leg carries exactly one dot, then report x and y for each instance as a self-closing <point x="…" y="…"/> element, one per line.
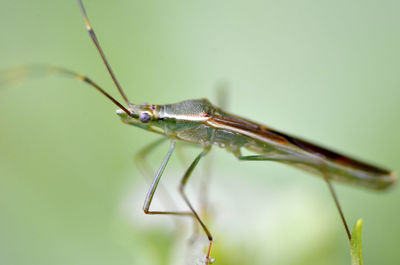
<point x="182" y="186"/>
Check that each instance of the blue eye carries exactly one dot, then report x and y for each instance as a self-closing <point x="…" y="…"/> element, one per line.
<point x="144" y="117"/>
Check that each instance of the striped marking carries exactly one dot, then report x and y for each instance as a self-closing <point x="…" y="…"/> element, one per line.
<point x="188" y="117"/>
<point x="290" y="143"/>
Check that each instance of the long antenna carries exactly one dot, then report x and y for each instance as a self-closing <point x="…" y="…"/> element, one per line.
<point x="17" y="74"/>
<point x="96" y="42"/>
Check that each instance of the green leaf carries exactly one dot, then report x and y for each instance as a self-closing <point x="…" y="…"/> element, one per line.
<point x="356" y="245"/>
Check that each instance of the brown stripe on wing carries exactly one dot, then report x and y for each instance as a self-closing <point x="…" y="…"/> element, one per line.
<point x="282" y="138"/>
<point x="331" y="155"/>
<point x="243" y="124"/>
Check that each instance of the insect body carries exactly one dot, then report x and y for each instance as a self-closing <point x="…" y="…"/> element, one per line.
<point x="199" y="122"/>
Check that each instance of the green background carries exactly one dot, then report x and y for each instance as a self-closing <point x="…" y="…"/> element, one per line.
<point x="328" y="71"/>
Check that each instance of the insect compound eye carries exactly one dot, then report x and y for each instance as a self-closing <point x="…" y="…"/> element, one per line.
<point x="144" y="117"/>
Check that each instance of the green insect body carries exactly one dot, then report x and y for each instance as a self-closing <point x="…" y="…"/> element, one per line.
<point x="199" y="122"/>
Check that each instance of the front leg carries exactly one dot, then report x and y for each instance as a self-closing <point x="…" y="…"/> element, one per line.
<point x="185" y="178"/>
<point x="153" y="187"/>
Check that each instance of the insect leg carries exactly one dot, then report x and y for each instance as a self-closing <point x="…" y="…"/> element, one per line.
<point x="153" y="187"/>
<point x="204" y="188"/>
<point x="336" y="200"/>
<point x="268" y="158"/>
<point x="323" y="172"/>
<point x="184" y="180"/>
<point x="141" y="155"/>
<point x="222" y="101"/>
<point x="146" y="170"/>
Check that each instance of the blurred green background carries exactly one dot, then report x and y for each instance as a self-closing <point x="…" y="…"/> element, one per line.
<point x="70" y="193"/>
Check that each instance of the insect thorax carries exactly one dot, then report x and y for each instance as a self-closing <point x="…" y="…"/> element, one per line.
<point x="186" y="121"/>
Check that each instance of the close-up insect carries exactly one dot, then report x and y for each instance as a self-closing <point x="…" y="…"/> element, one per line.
<point x="73" y="217"/>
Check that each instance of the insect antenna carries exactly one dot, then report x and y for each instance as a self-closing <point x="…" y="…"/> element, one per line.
<point x="96" y="42"/>
<point x="16" y="75"/>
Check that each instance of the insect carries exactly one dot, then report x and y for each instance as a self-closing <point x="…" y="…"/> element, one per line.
<point x="201" y="123"/>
